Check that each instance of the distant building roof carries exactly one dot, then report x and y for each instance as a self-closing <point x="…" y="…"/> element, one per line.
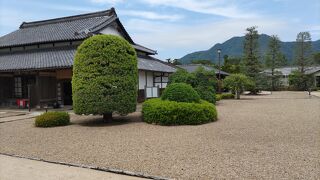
<point x="59" y="58"/>
<point x="287" y="70"/>
<point x="193" y="67"/>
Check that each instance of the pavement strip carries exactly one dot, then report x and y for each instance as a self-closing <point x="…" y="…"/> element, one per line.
<point x="18" y="117"/>
<point x="15" y="168"/>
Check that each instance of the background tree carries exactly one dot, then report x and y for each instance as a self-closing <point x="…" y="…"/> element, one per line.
<point x="274" y="59"/>
<point x="232" y="65"/>
<point x="303" y="51"/>
<point x="252" y="64"/>
<point x="238" y="83"/>
<point x="182" y="76"/>
<point x="105" y="76"/>
<point x="316" y="58"/>
<point x="303" y="59"/>
<point x="201" y="61"/>
<point x="204" y="82"/>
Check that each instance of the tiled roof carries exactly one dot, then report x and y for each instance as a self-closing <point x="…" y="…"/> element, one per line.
<point x="37" y="59"/>
<point x="63" y="58"/>
<point x="60" y="29"/>
<point x="193" y="67"/>
<point x="153" y="64"/>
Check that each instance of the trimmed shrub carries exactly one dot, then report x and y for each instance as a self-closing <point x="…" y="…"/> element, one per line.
<point x="178" y="113"/>
<point x="180" y="92"/>
<point x="50" y="119"/>
<point x="227" y="96"/>
<point x="237" y="83"/>
<point x="218" y="97"/>
<point x="105" y="76"/>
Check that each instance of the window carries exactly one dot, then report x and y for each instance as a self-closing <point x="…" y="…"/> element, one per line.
<point x="160" y="79"/>
<point x="17" y="87"/>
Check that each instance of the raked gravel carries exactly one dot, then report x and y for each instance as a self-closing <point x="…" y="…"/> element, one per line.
<point x="259" y="137"/>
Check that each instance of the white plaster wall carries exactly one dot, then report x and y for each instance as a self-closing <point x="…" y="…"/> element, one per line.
<point x="111" y="30"/>
<point x="149" y="79"/>
<point x="142" y="79"/>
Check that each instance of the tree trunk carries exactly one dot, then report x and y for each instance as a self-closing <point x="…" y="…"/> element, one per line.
<point x="238" y="94"/>
<point x="107" y="117"/>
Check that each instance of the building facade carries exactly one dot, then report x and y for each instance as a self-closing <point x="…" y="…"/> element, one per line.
<point x="36" y="60"/>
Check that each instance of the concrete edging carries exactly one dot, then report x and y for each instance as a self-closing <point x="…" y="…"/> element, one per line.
<point x="111" y="170"/>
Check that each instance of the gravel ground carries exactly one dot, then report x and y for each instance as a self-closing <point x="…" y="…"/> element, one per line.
<point x="259" y="137"/>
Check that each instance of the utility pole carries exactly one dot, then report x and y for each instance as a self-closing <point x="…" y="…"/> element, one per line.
<point x="219" y="75"/>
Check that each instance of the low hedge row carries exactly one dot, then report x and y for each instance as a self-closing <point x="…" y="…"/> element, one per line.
<point x="165" y="112"/>
<point x="218" y="97"/>
<point x="227" y="96"/>
<point x="224" y="96"/>
<point x="50" y="119"/>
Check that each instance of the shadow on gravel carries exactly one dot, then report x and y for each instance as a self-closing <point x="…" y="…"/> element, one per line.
<point x="99" y="122"/>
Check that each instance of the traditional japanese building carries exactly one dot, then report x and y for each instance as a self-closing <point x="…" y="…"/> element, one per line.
<point x="36" y="60"/>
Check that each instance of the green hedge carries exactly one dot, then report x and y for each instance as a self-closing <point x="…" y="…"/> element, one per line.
<point x="178" y="113"/>
<point x="180" y="92"/>
<point x="227" y="96"/>
<point x="218" y="97"/>
<point x="224" y="96"/>
<point x="50" y="119"/>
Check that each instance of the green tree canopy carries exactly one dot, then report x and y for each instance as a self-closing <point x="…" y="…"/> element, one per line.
<point x="105" y="76"/>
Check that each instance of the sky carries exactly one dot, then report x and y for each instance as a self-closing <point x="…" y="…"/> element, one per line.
<point x="177" y="27"/>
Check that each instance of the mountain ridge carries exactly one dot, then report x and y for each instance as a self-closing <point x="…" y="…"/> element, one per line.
<point x="233" y="47"/>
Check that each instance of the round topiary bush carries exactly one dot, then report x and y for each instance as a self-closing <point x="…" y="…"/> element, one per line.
<point x="180" y="92"/>
<point x="50" y="119"/>
<point x="105" y="76"/>
<point x="165" y="112"/>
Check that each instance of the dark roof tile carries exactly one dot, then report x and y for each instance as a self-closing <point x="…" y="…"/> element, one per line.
<point x="56" y="58"/>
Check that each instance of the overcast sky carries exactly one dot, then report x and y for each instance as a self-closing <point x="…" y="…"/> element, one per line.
<point x="177" y="27"/>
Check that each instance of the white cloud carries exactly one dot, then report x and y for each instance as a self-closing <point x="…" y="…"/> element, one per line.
<point x="215" y="7"/>
<point x="150" y="15"/>
<point x="112" y="2"/>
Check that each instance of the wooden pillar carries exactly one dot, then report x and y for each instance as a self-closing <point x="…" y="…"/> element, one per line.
<point x="37" y="91"/>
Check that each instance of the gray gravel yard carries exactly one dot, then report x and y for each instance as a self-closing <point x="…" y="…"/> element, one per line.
<point x="259" y="137"/>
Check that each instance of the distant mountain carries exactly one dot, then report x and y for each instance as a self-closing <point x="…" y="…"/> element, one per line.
<point x="234" y="47"/>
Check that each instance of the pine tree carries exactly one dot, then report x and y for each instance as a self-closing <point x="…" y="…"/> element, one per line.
<point x="251" y="58"/>
<point x="274" y="58"/>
